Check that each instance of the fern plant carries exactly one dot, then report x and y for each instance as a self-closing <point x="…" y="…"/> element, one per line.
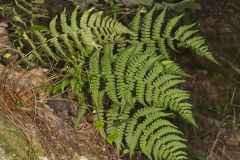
<point x="131" y="79"/>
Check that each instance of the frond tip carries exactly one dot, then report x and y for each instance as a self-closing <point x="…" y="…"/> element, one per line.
<point x="154" y="35"/>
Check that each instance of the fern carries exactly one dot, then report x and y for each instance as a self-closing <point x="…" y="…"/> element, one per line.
<point x="141" y="77"/>
<point x="155" y="35"/>
<point x="30" y="8"/>
<point x="134" y="86"/>
<point x="73" y="38"/>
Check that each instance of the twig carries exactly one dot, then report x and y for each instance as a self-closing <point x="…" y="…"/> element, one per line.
<point x="225" y="154"/>
<point x="214" y="144"/>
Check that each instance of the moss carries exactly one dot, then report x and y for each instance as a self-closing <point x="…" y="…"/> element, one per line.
<point x="14" y="142"/>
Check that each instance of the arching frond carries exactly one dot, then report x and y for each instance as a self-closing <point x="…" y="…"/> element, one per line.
<point x="155" y="35"/>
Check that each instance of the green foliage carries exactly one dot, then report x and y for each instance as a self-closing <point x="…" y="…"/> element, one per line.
<point x="140" y="87"/>
<point x="5" y="10"/>
<point x="82" y="37"/>
<point x="134" y="86"/>
<point x="31" y="8"/>
<point x="22" y="14"/>
<point x="154" y="35"/>
<point x="74" y="43"/>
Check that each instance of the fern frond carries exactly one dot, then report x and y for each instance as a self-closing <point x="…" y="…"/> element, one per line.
<point x="95" y="76"/>
<point x="168" y="30"/>
<point x="172" y="68"/>
<point x="159" y="147"/>
<point x="158" y="24"/>
<point x="92" y="31"/>
<point x="82" y="107"/>
<point x="138" y="78"/>
<point x="161" y="38"/>
<point x="45" y="45"/>
<point x="140" y="86"/>
<point x="146" y="27"/>
<point x="99" y="113"/>
<point x="30" y="8"/>
<point x="54" y="40"/>
<point x="135" y="26"/>
<point x="163" y="48"/>
<point x="74" y="31"/>
<point x="74" y="25"/>
<point x="23" y="8"/>
<point x="171" y="23"/>
<point x="35" y="54"/>
<point x="132" y="136"/>
<point x="121" y="65"/>
<point x="120" y="134"/>
<point x="153" y="130"/>
<point x="182" y="29"/>
<point x="107" y="72"/>
<point x="133" y="68"/>
<point x="65" y="83"/>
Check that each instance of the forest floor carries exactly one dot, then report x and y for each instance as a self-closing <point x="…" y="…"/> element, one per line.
<point x="215" y="94"/>
<point x="216" y="89"/>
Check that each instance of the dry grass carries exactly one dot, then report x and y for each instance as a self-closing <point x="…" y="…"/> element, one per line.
<point x="21" y="105"/>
